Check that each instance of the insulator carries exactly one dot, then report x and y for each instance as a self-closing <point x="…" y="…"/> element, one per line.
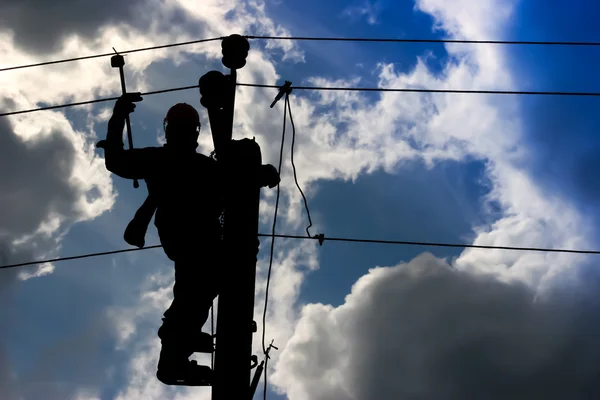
<point x="235" y="50"/>
<point x="212" y="89"/>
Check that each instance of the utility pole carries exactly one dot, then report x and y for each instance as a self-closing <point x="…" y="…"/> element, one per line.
<point x="241" y="161"/>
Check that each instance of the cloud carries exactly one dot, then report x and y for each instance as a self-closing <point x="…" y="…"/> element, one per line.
<point x="343" y="135"/>
<point x="48" y="179"/>
<point x="340" y="136"/>
<point x="136" y="326"/>
<point x="55" y="178"/>
<point x="422" y="329"/>
<point x="55" y="23"/>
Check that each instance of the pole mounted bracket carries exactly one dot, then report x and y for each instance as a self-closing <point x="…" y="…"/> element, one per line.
<point x="285" y="89"/>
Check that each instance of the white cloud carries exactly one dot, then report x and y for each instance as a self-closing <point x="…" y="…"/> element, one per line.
<point x="355" y="135"/>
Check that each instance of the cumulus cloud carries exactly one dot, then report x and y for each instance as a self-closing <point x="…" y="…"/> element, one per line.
<point x="341" y="136"/>
<point x="48" y="179"/>
<point x="53" y="24"/>
<point x="422" y="329"/>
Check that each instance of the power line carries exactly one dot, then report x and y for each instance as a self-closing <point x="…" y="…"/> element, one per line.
<point x="81" y="103"/>
<point x="415" y="90"/>
<point x="305" y="38"/>
<point x="109" y="54"/>
<point x="272" y="236"/>
<point x="322" y="88"/>
<point x="436" y="244"/>
<point x="394" y="40"/>
<point x="332" y="239"/>
<point x="105" y="253"/>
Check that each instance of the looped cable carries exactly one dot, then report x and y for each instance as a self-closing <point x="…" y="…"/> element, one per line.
<point x="289" y="108"/>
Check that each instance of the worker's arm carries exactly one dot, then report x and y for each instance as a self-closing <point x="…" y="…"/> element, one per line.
<point x="131" y="163"/>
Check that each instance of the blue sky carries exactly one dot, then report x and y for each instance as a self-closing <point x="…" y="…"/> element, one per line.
<point x="68" y="329"/>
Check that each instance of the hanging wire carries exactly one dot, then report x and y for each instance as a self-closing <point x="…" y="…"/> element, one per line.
<point x="289" y="107"/>
<point x="265" y="351"/>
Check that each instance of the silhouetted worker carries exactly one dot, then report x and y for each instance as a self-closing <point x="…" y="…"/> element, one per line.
<point x="185" y="190"/>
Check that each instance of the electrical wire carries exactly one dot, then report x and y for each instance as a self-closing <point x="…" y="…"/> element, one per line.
<point x="415" y="90"/>
<point x="287" y="103"/>
<point x="110" y="54"/>
<point x="81" y="103"/>
<point x="264" y="321"/>
<point x="305" y="38"/>
<point x="51" y="260"/>
<point x="394" y="40"/>
<point x="322" y="88"/>
<point x="436" y="244"/>
<point x="331" y="239"/>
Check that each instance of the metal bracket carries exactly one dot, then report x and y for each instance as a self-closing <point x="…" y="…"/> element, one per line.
<point x="285" y="89"/>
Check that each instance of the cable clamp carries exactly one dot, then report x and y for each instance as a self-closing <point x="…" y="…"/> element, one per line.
<point x="320" y="237"/>
<point x="285" y="89"/>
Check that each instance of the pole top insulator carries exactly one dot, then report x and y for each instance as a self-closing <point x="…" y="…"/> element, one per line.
<point x="117" y="61"/>
<point x="235" y="50"/>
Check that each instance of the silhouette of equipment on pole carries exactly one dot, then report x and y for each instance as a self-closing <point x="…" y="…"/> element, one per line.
<point x="240" y="161"/>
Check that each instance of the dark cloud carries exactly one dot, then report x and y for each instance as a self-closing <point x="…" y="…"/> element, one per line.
<point x="39" y="26"/>
<point x="36" y="186"/>
<point x="423" y="330"/>
<point x="35" y="181"/>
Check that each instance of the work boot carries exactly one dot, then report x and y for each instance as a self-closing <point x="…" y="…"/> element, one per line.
<point x="174" y="368"/>
<point x="195" y="342"/>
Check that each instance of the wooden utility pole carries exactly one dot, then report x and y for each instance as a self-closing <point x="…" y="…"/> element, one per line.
<point x="240" y="160"/>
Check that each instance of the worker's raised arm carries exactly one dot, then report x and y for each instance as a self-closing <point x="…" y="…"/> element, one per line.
<point x="132" y="163"/>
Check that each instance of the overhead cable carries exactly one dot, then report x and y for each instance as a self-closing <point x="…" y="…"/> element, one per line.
<point x="322" y="88"/>
<point x="320" y="39"/>
<point x="331" y="239"/>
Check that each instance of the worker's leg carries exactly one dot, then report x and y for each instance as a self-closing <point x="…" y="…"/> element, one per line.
<point x="181" y="332"/>
<point x="195" y="288"/>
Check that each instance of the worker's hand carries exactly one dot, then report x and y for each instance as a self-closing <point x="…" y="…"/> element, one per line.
<point x="125" y="104"/>
<point x="269" y="176"/>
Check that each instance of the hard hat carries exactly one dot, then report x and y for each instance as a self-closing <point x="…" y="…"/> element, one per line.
<point x="182" y="113"/>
